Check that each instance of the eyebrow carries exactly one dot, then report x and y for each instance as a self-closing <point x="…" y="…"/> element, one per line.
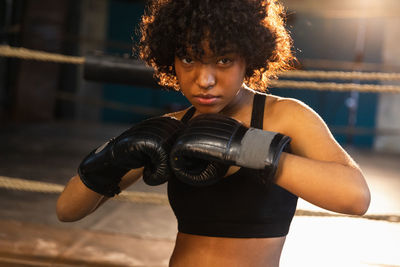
<point x="227" y="50"/>
<point x="225" y="53"/>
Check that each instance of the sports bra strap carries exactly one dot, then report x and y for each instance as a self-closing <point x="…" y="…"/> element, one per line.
<point x="257" y="115"/>
<point x="188" y="115"/>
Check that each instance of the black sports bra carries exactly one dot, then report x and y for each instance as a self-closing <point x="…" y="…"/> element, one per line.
<point x="237" y="206"/>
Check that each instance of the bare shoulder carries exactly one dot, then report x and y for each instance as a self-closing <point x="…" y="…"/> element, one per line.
<point x="289" y="105"/>
<point x="310" y="135"/>
<point x="294" y="114"/>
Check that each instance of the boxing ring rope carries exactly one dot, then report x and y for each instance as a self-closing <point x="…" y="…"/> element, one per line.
<point x="94" y="63"/>
<point x="28" y="54"/>
<point x="338" y="87"/>
<point x="100" y="66"/>
<point x="159" y="199"/>
<point x="343" y="75"/>
<point x="328" y="64"/>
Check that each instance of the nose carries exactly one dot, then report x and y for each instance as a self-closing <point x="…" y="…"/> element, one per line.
<point x="206" y="76"/>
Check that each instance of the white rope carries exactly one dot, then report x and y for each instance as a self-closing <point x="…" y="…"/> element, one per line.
<point x="43" y="187"/>
<point x="29" y="54"/>
<point x="338" y="87"/>
<point x="154" y="198"/>
<point x="342" y="75"/>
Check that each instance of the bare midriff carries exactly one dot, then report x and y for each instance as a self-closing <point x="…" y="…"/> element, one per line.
<point x="200" y="251"/>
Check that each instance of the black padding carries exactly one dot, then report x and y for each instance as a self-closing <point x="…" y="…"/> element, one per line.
<point x="118" y="70"/>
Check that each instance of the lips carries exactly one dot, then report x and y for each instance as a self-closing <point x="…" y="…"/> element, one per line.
<point x="206" y="99"/>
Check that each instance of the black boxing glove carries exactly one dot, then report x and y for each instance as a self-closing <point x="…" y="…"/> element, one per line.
<point x="193" y="169"/>
<point x="218" y="138"/>
<point x="147" y="144"/>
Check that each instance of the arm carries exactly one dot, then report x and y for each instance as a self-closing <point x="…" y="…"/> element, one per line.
<point x="319" y="170"/>
<point x="117" y="164"/>
<point x="77" y="201"/>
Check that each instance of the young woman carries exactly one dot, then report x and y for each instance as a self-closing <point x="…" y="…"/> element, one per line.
<point x="221" y="55"/>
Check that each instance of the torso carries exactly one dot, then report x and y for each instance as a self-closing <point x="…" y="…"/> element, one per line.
<point x="196" y="250"/>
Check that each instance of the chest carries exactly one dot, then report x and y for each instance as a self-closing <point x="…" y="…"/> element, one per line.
<point x="242" y="196"/>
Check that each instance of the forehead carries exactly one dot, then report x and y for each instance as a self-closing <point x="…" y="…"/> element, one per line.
<point x="205" y="49"/>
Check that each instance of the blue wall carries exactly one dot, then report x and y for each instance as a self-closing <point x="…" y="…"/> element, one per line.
<point x="335" y="39"/>
<point x="123" y="18"/>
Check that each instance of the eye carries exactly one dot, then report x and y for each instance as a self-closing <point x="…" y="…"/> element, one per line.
<point x="224" y="61"/>
<point x="187" y="60"/>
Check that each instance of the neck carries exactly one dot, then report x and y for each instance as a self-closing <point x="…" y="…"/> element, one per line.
<point x="242" y="99"/>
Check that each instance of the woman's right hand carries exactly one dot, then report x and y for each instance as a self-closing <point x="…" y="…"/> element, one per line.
<point x="77" y="200"/>
<point x="146" y="144"/>
<point x="142" y="150"/>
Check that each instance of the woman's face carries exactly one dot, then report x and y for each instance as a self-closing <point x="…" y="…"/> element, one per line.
<point x="212" y="83"/>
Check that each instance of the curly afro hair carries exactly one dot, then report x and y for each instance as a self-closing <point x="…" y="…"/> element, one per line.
<point x="254" y="29"/>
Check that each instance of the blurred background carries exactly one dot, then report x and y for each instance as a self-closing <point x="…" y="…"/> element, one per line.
<point x="51" y="117"/>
